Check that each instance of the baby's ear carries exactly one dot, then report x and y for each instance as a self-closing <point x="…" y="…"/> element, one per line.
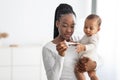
<point x="99" y="29"/>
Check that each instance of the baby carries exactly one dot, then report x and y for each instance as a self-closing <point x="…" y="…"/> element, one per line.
<point x="87" y="46"/>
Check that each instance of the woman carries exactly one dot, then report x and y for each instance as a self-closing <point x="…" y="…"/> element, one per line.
<point x="58" y="58"/>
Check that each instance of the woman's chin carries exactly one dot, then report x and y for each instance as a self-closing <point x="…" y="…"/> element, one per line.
<point x="67" y="39"/>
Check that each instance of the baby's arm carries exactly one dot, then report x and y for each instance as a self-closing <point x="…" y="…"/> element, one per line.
<point x="91" y="44"/>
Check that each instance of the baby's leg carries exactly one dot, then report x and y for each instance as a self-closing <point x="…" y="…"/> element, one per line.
<point x="79" y="75"/>
<point x="92" y="75"/>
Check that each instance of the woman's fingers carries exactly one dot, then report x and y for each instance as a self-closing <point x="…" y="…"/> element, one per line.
<point x="80" y="67"/>
<point x="61" y="48"/>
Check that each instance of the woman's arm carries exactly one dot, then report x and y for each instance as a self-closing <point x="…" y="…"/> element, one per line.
<point x="53" y="64"/>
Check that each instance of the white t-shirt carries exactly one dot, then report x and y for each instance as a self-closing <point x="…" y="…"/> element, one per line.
<point x="57" y="67"/>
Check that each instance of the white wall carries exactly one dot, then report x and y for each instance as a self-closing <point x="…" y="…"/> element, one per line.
<point x="31" y="21"/>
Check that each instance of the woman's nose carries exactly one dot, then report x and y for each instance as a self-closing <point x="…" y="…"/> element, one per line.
<point x="69" y="30"/>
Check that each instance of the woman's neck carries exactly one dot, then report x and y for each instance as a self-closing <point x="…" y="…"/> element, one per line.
<point x="58" y="39"/>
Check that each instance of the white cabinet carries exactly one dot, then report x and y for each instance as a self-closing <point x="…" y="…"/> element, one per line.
<point x="26" y="56"/>
<point x="5" y="73"/>
<point x="26" y="73"/>
<point x="5" y="64"/>
<point x="5" y="56"/>
<point x="21" y="63"/>
<point x="26" y="63"/>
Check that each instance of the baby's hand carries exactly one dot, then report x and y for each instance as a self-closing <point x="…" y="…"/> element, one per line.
<point x="80" y="48"/>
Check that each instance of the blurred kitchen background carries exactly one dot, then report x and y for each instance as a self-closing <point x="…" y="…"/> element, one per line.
<point x="28" y="25"/>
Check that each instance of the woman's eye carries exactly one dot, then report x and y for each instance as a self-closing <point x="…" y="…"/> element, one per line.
<point x="86" y="27"/>
<point x="64" y="25"/>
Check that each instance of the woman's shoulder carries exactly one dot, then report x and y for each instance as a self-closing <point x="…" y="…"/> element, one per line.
<point x="49" y="45"/>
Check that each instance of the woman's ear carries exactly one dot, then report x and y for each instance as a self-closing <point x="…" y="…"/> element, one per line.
<point x="57" y="23"/>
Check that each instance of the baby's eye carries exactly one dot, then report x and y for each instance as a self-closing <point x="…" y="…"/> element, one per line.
<point x="91" y="28"/>
<point x="72" y="26"/>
